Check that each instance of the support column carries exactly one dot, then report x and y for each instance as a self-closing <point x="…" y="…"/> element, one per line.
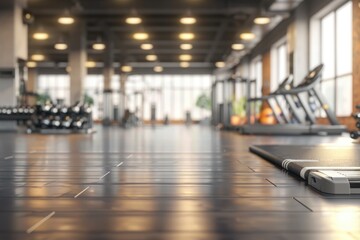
<point x="31" y="85"/>
<point x="266" y="73"/>
<point x="13" y="38"/>
<point x="298" y="42"/>
<point x="122" y="102"/>
<point x="356" y="58"/>
<point x="77" y="61"/>
<point x="108" y="63"/>
<point x="108" y="73"/>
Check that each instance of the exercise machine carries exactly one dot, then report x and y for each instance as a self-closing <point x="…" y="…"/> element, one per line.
<point x="224" y="93"/>
<point x="307" y="125"/>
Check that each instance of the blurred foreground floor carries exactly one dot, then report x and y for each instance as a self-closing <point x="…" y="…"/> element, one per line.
<point x="172" y="182"/>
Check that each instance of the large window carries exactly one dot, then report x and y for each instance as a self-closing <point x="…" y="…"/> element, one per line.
<point x="256" y="73"/>
<point x="56" y="86"/>
<point x="336" y="54"/>
<point x="279" y="64"/>
<point x="172" y="95"/>
<point x="94" y="87"/>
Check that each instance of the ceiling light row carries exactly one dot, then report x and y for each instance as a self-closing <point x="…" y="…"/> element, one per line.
<point x="137" y="20"/>
<point x="92" y="64"/>
<point x="186" y="46"/>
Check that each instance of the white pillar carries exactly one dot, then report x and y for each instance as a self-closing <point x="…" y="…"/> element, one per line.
<point x="77" y="61"/>
<point x="13" y="39"/>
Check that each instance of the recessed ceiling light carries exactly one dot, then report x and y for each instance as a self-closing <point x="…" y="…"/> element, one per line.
<point x="186" y="36"/>
<point x="31" y="64"/>
<point x="66" y="20"/>
<point x="247" y="36"/>
<point x="90" y="64"/>
<point x="237" y="46"/>
<point x="185" y="57"/>
<point x="133" y="20"/>
<point x="188" y="20"/>
<point x="158" y="69"/>
<point x="184" y="64"/>
<point x="151" y="57"/>
<point x="262" y="20"/>
<point x="141" y="36"/>
<point x="60" y="46"/>
<point x="126" y="69"/>
<point x="147" y="46"/>
<point x="220" y="64"/>
<point x="37" y="57"/>
<point x="40" y="36"/>
<point x="186" y="46"/>
<point x="98" y="46"/>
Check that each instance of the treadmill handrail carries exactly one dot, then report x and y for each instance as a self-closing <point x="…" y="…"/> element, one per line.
<point x="309" y="82"/>
<point x="286" y="84"/>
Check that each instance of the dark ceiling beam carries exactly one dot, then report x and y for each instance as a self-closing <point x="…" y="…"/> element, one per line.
<point x="155" y="11"/>
<point x="153" y="29"/>
<point x="219" y="35"/>
<point x="131" y="51"/>
<point x="136" y="71"/>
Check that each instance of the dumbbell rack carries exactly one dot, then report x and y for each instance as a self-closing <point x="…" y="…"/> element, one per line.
<point x="50" y="119"/>
<point x="356" y="134"/>
<point x="20" y="113"/>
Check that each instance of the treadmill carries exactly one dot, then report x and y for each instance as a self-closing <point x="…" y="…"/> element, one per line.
<point x="229" y="89"/>
<point x="300" y="127"/>
<point x="273" y="100"/>
<point x="329" y="169"/>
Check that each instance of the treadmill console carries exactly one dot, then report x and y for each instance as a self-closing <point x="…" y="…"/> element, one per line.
<point x="335" y="182"/>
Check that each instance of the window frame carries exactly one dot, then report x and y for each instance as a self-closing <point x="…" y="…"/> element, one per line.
<point x="335" y="78"/>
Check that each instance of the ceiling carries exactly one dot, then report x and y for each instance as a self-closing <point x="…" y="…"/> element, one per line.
<point x="219" y="23"/>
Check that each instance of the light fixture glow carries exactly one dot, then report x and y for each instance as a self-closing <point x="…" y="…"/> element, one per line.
<point x="66" y="20"/>
<point x="247" y="36"/>
<point x="147" y="46"/>
<point x="31" y="64"/>
<point x="90" y="64"/>
<point x="262" y="20"/>
<point x="133" y="20"/>
<point x="98" y="46"/>
<point x="186" y="46"/>
<point x="188" y="20"/>
<point x="158" y="69"/>
<point x="60" y="46"/>
<point x="186" y="36"/>
<point x="185" y="57"/>
<point x="237" y="46"/>
<point x="126" y="69"/>
<point x="141" y="36"/>
<point x="184" y="64"/>
<point x="37" y="57"/>
<point x="151" y="58"/>
<point x="40" y="36"/>
<point x="220" y="64"/>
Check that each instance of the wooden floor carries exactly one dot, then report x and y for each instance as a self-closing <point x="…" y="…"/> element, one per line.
<point x="171" y="183"/>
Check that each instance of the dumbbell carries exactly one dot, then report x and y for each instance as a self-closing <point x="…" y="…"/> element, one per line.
<point x="355" y="134"/>
<point x="67" y="122"/>
<point x="79" y="124"/>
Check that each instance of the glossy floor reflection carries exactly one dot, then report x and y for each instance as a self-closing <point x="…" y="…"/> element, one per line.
<point x="171" y="182"/>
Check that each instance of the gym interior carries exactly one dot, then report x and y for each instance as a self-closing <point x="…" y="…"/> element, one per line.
<point x="186" y="119"/>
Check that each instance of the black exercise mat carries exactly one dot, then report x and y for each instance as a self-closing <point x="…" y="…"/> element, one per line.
<point x="300" y="159"/>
